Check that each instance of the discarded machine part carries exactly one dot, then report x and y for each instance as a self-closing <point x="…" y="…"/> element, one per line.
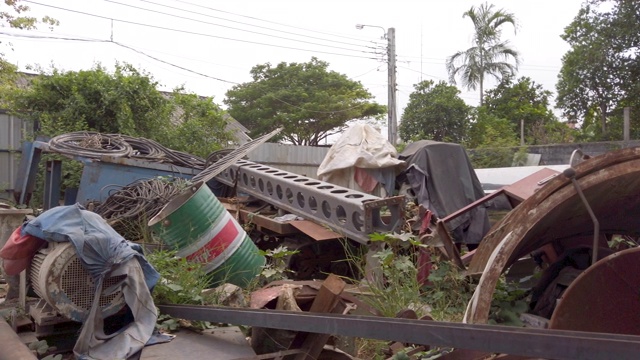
<point x="58" y="277"/>
<point x="229" y="159"/>
<point x="536" y="343"/>
<point x="199" y="227"/>
<point x="604" y="298"/>
<point x="555" y="214"/>
<point x="346" y="211"/>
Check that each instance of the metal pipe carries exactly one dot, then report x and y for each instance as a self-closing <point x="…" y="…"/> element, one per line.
<point x="571" y="174"/>
<point x="12" y="346"/>
<point x="530" y="342"/>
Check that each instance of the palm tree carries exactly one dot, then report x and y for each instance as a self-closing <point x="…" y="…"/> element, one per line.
<point x="488" y="55"/>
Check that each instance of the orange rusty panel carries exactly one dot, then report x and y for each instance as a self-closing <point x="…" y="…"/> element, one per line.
<point x="604" y="298"/>
<point x="315" y="231"/>
<point x="523" y="189"/>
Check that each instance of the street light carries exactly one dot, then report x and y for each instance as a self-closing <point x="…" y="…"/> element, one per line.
<point x="390" y="35"/>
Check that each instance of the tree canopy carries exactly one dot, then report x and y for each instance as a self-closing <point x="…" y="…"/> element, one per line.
<point x="435" y="112"/>
<point x="489" y="55"/>
<point x="522" y="100"/>
<point x="16" y="16"/>
<point x="126" y="101"/>
<point x="309" y="101"/>
<point x="598" y="72"/>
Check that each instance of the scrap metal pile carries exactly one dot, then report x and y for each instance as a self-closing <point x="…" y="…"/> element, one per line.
<point x="578" y="226"/>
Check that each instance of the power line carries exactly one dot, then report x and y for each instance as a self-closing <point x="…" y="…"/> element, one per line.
<point x="174" y="65"/>
<point x="272" y="22"/>
<point x="420" y="72"/>
<point x="440" y="61"/>
<point x="196" y="33"/>
<point x="235" y="28"/>
<point x="370" y="71"/>
<point x="244" y="23"/>
<point x="182" y="68"/>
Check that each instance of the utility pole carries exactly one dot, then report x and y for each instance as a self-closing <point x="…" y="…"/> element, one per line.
<point x="392" y="126"/>
<point x="391" y="62"/>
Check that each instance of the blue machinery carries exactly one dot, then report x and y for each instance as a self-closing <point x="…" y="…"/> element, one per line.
<point x="98" y="175"/>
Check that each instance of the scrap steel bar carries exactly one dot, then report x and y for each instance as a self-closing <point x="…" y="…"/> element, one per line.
<point x="538" y="343"/>
<point x="235" y="155"/>
<point x="352" y="213"/>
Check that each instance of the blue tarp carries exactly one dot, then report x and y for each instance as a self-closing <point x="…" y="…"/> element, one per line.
<point x="98" y="246"/>
<point x="103" y="252"/>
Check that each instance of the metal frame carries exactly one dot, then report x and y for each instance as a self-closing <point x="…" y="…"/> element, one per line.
<point x="346" y="211"/>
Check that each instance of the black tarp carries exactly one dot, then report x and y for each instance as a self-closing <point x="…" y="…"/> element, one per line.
<point x="443" y="180"/>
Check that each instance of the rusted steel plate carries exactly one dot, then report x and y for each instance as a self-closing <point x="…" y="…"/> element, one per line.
<point x="281" y="228"/>
<point x="604" y="298"/>
<point x="315" y="231"/>
<point x="611" y="184"/>
<point x="525" y="188"/>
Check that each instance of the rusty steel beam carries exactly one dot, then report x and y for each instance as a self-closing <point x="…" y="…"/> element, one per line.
<point x="538" y="343"/>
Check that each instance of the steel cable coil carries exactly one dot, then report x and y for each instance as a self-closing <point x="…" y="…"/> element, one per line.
<point x="143" y="148"/>
<point x="89" y="144"/>
<point x="129" y="209"/>
<point x="94" y="145"/>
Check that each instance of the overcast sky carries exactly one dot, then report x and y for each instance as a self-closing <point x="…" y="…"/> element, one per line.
<point x="207" y="46"/>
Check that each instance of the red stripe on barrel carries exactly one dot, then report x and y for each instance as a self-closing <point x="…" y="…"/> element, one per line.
<point x="217" y="245"/>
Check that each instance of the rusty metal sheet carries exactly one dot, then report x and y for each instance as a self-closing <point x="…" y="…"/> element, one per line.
<point x="604" y="298"/>
<point x="611" y="184"/>
<point x="523" y="189"/>
<point x="315" y="231"/>
<point x="266" y="222"/>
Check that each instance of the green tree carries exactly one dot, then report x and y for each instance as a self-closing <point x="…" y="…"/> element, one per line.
<point x="435" y="112"/>
<point x="125" y="102"/>
<point x="490" y="131"/>
<point x="489" y="55"/>
<point x="8" y="77"/>
<point x="595" y="79"/>
<point x="15" y="16"/>
<point x="199" y="125"/>
<point x="306" y="99"/>
<point x="522" y="100"/>
<point x="492" y="139"/>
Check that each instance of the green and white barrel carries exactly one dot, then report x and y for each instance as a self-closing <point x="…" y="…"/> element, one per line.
<point x="200" y="229"/>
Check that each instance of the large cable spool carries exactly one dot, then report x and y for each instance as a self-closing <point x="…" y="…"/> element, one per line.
<point x="58" y="277"/>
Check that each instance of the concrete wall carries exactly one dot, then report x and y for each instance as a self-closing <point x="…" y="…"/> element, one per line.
<point x="560" y="154"/>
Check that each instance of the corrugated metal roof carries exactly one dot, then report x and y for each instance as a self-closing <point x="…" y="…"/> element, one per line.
<point x="273" y="154"/>
<point x="11" y="133"/>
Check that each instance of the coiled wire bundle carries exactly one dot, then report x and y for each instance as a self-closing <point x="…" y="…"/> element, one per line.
<point x="89" y="144"/>
<point x="94" y="145"/>
<point x="129" y="209"/>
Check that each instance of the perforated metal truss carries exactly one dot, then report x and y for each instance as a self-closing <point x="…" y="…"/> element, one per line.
<point x="345" y="211"/>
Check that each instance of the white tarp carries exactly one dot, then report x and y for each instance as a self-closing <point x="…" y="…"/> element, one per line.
<point x="360" y="147"/>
